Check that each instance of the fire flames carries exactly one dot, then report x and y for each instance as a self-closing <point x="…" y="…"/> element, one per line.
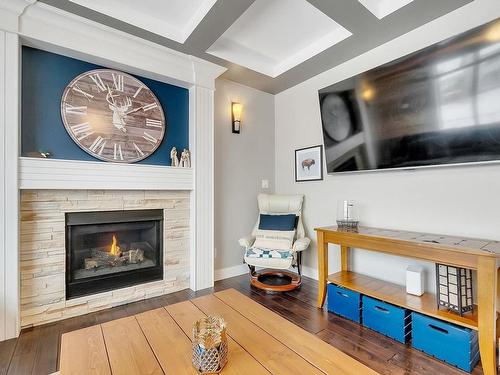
<point x="115" y="249"/>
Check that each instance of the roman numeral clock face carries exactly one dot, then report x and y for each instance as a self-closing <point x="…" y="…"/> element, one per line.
<point x="113" y="116"/>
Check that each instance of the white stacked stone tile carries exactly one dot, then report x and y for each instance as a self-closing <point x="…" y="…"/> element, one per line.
<point x="43" y="256"/>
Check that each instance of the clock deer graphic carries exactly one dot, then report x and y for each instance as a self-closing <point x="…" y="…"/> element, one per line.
<point x="113" y="116"/>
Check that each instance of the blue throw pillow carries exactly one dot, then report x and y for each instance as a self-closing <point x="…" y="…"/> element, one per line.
<point x="277" y="222"/>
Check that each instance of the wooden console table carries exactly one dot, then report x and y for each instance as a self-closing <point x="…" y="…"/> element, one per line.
<point x="480" y="255"/>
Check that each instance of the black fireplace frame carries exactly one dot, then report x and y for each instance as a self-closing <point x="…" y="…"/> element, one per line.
<point x="118" y="280"/>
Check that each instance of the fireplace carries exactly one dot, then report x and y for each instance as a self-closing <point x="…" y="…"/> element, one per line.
<point x="112" y="249"/>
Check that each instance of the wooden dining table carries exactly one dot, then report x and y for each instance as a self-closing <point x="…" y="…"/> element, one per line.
<point x="159" y="342"/>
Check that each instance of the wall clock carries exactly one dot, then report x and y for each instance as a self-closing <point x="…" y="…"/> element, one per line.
<point x="113" y="116"/>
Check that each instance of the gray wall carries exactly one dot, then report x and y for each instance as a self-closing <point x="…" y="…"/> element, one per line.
<point x="242" y="161"/>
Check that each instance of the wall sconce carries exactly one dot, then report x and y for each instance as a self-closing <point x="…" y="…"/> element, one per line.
<point x="236" y="109"/>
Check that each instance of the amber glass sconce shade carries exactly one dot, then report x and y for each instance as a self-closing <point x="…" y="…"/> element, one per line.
<point x="236" y="109"/>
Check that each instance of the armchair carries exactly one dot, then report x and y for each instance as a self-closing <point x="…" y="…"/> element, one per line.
<point x="276" y="248"/>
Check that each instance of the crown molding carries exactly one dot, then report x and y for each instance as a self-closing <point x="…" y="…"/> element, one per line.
<point x="204" y="73"/>
<point x="10" y="11"/>
<point x="43" y="26"/>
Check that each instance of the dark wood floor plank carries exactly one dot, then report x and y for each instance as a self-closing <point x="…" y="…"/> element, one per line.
<point x="370" y="344"/>
<point x="7" y="348"/>
<point x="358" y="332"/>
<point x="361" y="354"/>
<point x="23" y="358"/>
<point x="47" y="353"/>
<point x="36" y="350"/>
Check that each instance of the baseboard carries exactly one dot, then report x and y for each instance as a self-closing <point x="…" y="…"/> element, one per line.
<point x="226" y="273"/>
<point x="310" y="272"/>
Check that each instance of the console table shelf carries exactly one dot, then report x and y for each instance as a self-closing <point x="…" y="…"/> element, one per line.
<point x="396" y="294"/>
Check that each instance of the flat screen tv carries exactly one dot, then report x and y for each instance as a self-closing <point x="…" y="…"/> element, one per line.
<point x="437" y="106"/>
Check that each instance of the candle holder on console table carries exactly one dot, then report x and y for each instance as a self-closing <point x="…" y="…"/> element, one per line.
<point x="347" y="215"/>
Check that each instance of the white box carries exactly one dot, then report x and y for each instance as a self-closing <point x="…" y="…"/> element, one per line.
<point x="415" y="280"/>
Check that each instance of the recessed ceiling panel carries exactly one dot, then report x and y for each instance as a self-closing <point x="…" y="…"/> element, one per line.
<point x="382" y="8"/>
<point x="272" y="37"/>
<point x="173" y="19"/>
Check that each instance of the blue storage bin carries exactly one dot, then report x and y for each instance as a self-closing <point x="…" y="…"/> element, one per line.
<point x="453" y="344"/>
<point x="390" y="320"/>
<point x="344" y="302"/>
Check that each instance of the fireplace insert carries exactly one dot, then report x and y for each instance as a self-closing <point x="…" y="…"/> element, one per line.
<point x="109" y="250"/>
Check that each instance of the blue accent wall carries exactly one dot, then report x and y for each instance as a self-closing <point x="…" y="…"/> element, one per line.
<point x="45" y="75"/>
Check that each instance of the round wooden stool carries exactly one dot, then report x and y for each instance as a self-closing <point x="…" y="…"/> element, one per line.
<point x="275" y="281"/>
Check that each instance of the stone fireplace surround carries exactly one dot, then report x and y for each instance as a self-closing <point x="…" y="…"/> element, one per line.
<point x="42" y="255"/>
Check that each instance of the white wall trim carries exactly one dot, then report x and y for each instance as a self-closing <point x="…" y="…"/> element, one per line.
<point x="202" y="210"/>
<point x="310" y="272"/>
<point x="9" y="199"/>
<point x="226" y="273"/>
<point x="71" y="174"/>
<point x="12" y="124"/>
<point x="10" y="11"/>
<point x="3" y="213"/>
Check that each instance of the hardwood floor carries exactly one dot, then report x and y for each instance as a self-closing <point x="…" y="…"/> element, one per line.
<point x="36" y="350"/>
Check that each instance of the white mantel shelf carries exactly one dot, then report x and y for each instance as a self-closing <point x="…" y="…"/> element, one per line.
<point x="35" y="173"/>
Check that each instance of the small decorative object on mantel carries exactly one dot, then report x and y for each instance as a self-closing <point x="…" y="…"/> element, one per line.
<point x="309" y="164"/>
<point x="174" y="158"/>
<point x="39" y="154"/>
<point x="185" y="159"/>
<point x="454" y="288"/>
<point x="209" y="345"/>
<point x="347" y="215"/>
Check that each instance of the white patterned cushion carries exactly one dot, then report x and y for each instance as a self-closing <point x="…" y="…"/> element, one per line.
<point x="255" y="252"/>
<point x="274" y="239"/>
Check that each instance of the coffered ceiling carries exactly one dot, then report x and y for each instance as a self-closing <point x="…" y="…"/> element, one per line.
<point x="267" y="44"/>
<point x="173" y="19"/>
<point x="271" y="38"/>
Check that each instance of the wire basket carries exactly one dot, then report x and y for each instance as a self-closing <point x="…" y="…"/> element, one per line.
<point x="209" y="345"/>
<point x="349" y="225"/>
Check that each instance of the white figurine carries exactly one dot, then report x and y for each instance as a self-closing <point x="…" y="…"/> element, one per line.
<point x="188" y="158"/>
<point x="173" y="157"/>
<point x="185" y="159"/>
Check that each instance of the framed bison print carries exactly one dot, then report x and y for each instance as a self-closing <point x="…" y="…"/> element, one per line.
<point x="309" y="164"/>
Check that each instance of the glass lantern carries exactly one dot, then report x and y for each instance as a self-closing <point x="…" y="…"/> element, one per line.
<point x="347" y="215"/>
